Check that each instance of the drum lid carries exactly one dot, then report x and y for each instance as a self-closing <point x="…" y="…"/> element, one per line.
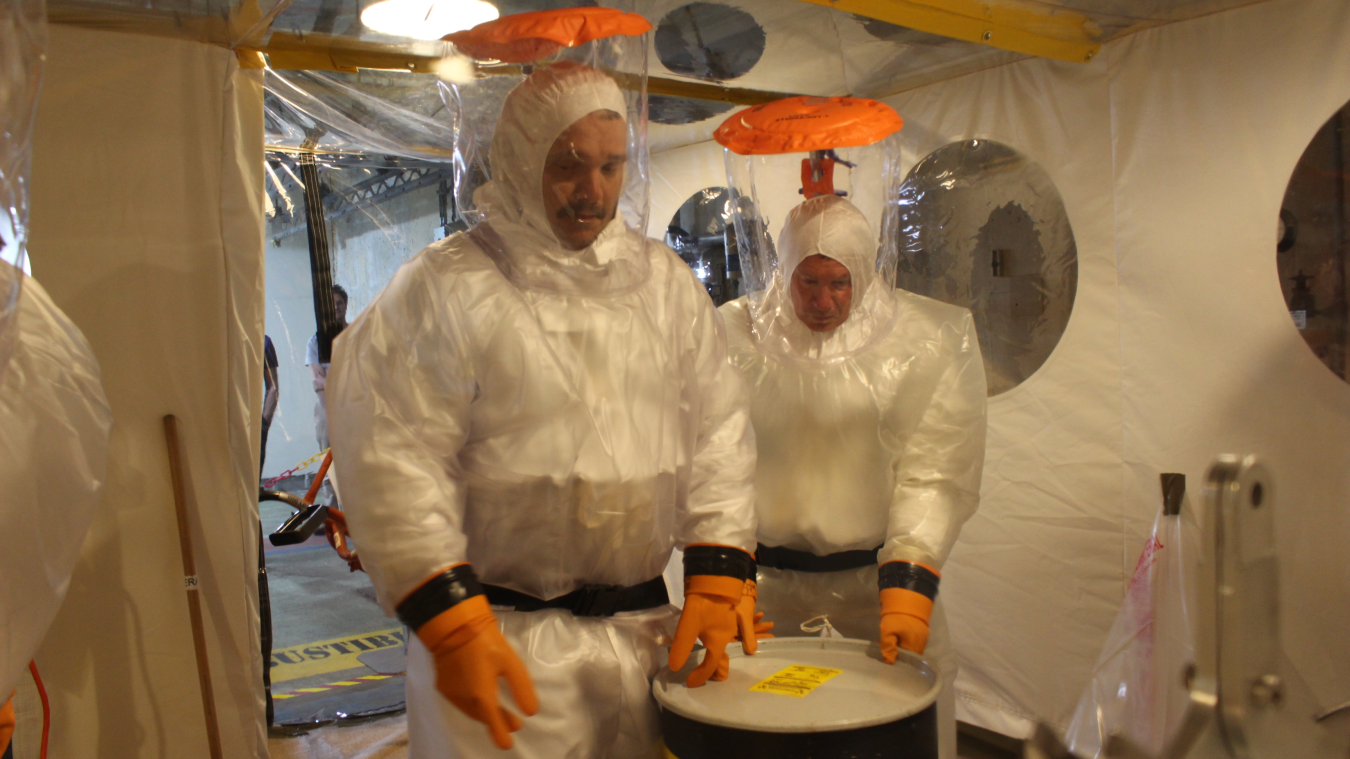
<point x="865" y="691"/>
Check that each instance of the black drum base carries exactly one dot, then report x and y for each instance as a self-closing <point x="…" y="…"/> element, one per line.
<point x="914" y="737"/>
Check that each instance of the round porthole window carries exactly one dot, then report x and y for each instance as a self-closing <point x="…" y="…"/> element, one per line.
<point x="1311" y="246"/>
<point x="709" y="41"/>
<point x="982" y="226"/>
<point x="698" y="233"/>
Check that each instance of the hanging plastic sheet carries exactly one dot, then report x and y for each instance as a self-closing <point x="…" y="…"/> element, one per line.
<point x="378" y="211"/>
<point x="387" y="113"/>
<point x="1138" y="687"/>
<point x="23" y="36"/>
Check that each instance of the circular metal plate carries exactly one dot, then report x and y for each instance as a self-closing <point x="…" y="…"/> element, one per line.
<point x="867" y="692"/>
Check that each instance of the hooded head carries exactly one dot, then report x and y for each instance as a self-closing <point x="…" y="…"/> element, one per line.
<point x="827" y="258"/>
<point x="558" y="154"/>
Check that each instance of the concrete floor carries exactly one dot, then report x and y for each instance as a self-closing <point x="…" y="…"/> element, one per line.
<point x="335" y="654"/>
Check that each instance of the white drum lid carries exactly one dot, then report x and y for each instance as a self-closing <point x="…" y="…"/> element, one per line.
<point x="867" y="692"/>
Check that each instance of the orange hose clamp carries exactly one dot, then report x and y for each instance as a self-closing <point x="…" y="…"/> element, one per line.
<point x="525" y="37"/>
<point x="803" y="124"/>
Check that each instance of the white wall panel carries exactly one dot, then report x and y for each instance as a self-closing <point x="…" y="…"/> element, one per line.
<point x="147" y="231"/>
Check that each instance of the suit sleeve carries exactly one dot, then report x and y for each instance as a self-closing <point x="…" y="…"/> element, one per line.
<point x="937" y="475"/>
<point x="399" y="391"/>
<point x="720" y="506"/>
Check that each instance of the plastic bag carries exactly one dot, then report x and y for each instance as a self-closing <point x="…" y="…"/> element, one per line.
<point x="1138" y="684"/>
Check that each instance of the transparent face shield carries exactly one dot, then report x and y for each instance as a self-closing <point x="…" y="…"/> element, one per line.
<point x="552" y="153"/>
<point x="23" y="36"/>
<point x="849" y="219"/>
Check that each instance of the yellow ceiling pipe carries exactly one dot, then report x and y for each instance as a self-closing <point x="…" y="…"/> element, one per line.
<point x="1062" y="35"/>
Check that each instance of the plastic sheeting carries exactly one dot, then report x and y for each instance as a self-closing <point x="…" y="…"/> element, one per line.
<point x="54" y="424"/>
<point x="782" y="44"/>
<point x="1137" y="690"/>
<point x="383" y="113"/>
<point x="23" y="35"/>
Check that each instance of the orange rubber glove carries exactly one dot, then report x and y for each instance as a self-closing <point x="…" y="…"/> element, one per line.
<point x="470" y="655"/>
<point x="749" y="627"/>
<point x="904" y="622"/>
<point x="710" y="604"/>
<point x="7" y="723"/>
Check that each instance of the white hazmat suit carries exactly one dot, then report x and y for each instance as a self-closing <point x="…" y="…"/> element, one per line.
<point x="54" y="423"/>
<point x="870" y="435"/>
<point x="556" y="418"/>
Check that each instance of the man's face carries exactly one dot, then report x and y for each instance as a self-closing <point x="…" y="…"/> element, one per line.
<point x="340" y="308"/>
<point x="822" y="293"/>
<point x="583" y="177"/>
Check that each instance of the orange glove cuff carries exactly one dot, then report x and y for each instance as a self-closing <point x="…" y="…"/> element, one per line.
<point x="901" y="601"/>
<point x="457" y="625"/>
<point x="715" y="585"/>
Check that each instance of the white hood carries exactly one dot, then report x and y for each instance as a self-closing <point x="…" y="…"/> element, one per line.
<point x="534" y="114"/>
<point x="830" y="226"/>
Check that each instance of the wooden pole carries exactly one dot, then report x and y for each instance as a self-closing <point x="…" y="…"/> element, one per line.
<point x="192" y="586"/>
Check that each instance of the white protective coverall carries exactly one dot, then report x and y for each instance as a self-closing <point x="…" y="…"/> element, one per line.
<point x="554" y="417"/>
<point x="54" y="423"/>
<point x="869" y="435"/>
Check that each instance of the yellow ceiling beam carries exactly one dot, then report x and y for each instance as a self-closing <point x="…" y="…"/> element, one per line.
<point x="318" y="52"/>
<point x="249" y="24"/>
<point x="1062" y="35"/>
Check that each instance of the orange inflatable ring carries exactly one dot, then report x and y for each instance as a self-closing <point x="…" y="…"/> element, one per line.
<point x="803" y="124"/>
<point x="525" y="37"/>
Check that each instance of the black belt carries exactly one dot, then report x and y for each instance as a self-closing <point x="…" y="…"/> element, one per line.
<point x="588" y="600"/>
<point x="804" y="561"/>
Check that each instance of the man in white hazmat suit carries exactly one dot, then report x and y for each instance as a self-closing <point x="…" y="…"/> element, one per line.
<point x="54" y="423"/>
<point x="531" y="416"/>
<point x="869" y="410"/>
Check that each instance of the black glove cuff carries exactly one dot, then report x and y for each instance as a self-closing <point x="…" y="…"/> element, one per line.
<point x="718" y="560"/>
<point x="908" y="576"/>
<point x="438" y="594"/>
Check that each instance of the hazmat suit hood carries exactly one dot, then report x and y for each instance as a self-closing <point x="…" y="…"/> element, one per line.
<point x="518" y="235"/>
<point x="830" y="226"/>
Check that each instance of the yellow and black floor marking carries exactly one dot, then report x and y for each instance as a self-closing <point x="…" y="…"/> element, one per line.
<point x="332" y="686"/>
<point x="335" y="655"/>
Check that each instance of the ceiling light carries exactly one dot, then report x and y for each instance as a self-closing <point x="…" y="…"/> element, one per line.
<point x="426" y="19"/>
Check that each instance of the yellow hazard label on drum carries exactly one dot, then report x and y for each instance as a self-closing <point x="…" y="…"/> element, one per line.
<point x="797" y="680"/>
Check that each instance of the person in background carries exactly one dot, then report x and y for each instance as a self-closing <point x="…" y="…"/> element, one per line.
<point x="271" y="394"/>
<point x="320" y="371"/>
<point x="869" y="410"/>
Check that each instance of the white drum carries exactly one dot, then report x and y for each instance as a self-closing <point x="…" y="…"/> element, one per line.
<point x="804" y="697"/>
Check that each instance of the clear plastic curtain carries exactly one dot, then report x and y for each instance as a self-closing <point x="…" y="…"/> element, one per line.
<point x="23" y="38"/>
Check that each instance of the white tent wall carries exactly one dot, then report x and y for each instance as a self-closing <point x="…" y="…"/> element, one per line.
<point x="147" y="230"/>
<point x="1034" y="583"/>
<point x="1211" y="117"/>
<point x="1171" y="152"/>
